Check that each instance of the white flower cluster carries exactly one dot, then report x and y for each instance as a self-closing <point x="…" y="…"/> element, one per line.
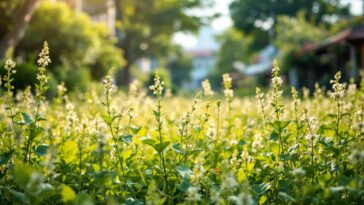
<point x="211" y="131"/>
<point x="276" y="81"/>
<point x="338" y="88"/>
<point x="197" y="174"/>
<point x="229" y="183"/>
<point x="244" y="198"/>
<point x="296" y="100"/>
<point x="61" y="89"/>
<point x="318" y="91"/>
<point x="133" y="88"/>
<point x="206" y="86"/>
<point x="312" y="124"/>
<point x="356" y="156"/>
<point x="157" y="88"/>
<point x="44" y="59"/>
<point x="108" y="85"/>
<point x="9" y="67"/>
<point x="298" y="172"/>
<point x="227" y="81"/>
<point x="257" y="143"/>
<point x="193" y="193"/>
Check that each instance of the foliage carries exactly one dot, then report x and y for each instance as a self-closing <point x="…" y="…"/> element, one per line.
<point x="75" y="40"/>
<point x="255" y="17"/>
<point x="180" y="68"/>
<point x="146" y="28"/>
<point x="293" y="34"/>
<point x="234" y="48"/>
<point x="136" y="149"/>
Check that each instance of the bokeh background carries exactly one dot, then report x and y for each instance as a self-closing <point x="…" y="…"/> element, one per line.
<point x="187" y="41"/>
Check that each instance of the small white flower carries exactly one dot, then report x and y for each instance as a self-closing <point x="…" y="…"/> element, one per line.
<point x="193" y="194"/>
<point x="298" y="172"/>
<point x="157" y="88"/>
<point x="206" y="86"/>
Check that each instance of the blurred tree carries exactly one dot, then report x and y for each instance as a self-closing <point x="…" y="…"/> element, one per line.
<point x="260" y="16"/>
<point x="75" y="42"/>
<point x="234" y="47"/>
<point x="180" y="67"/>
<point x="14" y="18"/>
<point x="292" y="35"/>
<point x="145" y="28"/>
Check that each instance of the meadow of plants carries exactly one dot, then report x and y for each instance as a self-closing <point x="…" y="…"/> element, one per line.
<point x="109" y="147"/>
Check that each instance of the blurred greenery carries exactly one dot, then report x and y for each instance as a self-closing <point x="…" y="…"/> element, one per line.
<point x="146" y="28"/>
<point x="74" y="40"/>
<point x="259" y="17"/>
<point x="234" y="47"/>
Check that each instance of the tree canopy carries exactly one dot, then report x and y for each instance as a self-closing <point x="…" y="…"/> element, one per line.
<point x="260" y="16"/>
<point x="146" y="28"/>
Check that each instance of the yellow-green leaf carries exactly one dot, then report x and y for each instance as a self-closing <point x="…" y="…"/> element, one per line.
<point x="67" y="193"/>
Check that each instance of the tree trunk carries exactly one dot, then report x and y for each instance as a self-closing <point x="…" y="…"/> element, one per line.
<point x="21" y="20"/>
<point x="124" y="42"/>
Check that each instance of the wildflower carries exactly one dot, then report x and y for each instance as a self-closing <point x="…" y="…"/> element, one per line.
<point x="351" y="88"/>
<point x="133" y="88"/>
<point x="276" y="80"/>
<point x="257" y="143"/>
<point x="243" y="198"/>
<point x="157" y="88"/>
<point x="356" y="156"/>
<point x="318" y="91"/>
<point x="296" y="101"/>
<point x="306" y="93"/>
<point x="206" y="86"/>
<point x="229" y="183"/>
<point x="211" y="131"/>
<point x="109" y="86"/>
<point x="193" y="194"/>
<point x="214" y="196"/>
<point x="227" y="81"/>
<point x="43" y="61"/>
<point x="298" y="173"/>
<point x="338" y="88"/>
<point x="61" y="89"/>
<point x="9" y="67"/>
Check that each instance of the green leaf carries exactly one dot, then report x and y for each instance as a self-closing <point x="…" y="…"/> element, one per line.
<point x="27" y="118"/>
<point x="5" y="157"/>
<point x="286" y="196"/>
<point x="135" y="129"/>
<point x="293" y="147"/>
<point x="150" y="142"/>
<point x="263" y="199"/>
<point x="108" y="120"/>
<point x="184" y="171"/>
<point x="160" y="147"/>
<point x="177" y="148"/>
<point x="67" y="193"/>
<point x="41" y="150"/>
<point x="332" y="115"/>
<point x="260" y="189"/>
<point x="127" y="138"/>
<point x="273" y="136"/>
<point x="183" y="186"/>
<point x="19" y="196"/>
<point x="84" y="199"/>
